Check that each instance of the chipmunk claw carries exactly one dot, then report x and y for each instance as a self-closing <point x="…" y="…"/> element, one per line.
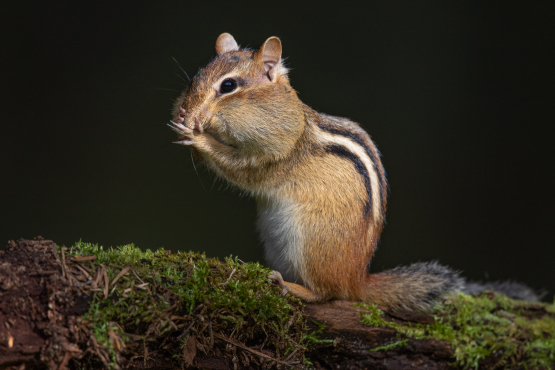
<point x="198" y="126"/>
<point x="179" y="128"/>
<point x="277" y="279"/>
<point x="184" y="142"/>
<point x="183" y="131"/>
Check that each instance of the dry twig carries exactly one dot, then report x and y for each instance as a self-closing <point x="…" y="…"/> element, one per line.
<point x="240" y="345"/>
<point x="121" y="273"/>
<point x="83" y="258"/>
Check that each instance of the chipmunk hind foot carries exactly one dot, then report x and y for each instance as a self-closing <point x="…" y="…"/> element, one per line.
<point x="304" y="294"/>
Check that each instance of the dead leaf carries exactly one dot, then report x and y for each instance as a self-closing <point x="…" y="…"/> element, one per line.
<point x="190" y="351"/>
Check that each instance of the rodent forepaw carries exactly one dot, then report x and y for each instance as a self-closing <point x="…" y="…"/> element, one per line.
<point x="185" y="133"/>
<point x="179" y="128"/>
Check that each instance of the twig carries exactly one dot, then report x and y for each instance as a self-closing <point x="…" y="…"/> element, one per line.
<point x="98" y="278"/>
<point x="64" y="267"/>
<point x="186" y="330"/>
<point x="291" y="355"/>
<point x="229" y="278"/>
<point x="83" y="258"/>
<point x="240" y="345"/>
<point x="121" y="273"/>
<point x="65" y="361"/>
<point x="211" y="334"/>
<point x="106" y="283"/>
<point x="83" y="271"/>
<point x="173" y="324"/>
<point x="142" y="282"/>
<point x="97" y="351"/>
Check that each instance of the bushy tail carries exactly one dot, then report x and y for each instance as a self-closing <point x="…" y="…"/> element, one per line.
<point x="418" y="287"/>
<point x="413" y="288"/>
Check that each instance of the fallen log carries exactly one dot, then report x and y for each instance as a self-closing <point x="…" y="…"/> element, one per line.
<point x="86" y="307"/>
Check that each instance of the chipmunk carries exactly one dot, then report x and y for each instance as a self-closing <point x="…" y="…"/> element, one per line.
<point x="318" y="181"/>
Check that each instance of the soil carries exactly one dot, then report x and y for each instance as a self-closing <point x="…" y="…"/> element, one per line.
<point x="40" y="310"/>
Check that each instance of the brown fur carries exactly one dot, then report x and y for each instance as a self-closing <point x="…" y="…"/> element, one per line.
<point x="264" y="140"/>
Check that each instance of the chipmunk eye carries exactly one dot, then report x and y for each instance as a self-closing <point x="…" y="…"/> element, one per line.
<point x="228" y="86"/>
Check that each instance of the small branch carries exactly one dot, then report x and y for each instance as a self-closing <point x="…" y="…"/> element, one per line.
<point x="122" y="272"/>
<point x="240" y="345"/>
<point x="65" y="361"/>
<point x="83" y="258"/>
<point x="229" y="278"/>
<point x="106" y="283"/>
<point x="83" y="271"/>
<point x="186" y="330"/>
<point x="137" y="276"/>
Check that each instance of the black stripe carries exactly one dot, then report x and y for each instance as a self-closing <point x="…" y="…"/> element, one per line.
<point x="360" y="141"/>
<point x="343" y="152"/>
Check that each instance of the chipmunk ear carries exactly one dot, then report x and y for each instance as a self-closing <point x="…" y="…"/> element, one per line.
<point x="225" y="43"/>
<point x="270" y="55"/>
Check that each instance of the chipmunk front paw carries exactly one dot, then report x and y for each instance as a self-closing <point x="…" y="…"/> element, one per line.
<point x="277" y="279"/>
<point x="187" y="136"/>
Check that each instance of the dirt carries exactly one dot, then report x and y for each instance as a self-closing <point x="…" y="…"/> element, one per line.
<point x="39" y="308"/>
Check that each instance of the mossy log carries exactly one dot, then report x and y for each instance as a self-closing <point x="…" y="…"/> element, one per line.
<point x="88" y="307"/>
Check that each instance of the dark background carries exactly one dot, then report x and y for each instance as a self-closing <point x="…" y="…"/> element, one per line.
<point x="457" y="96"/>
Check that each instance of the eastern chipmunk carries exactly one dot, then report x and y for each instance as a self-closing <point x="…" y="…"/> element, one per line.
<point x="317" y="179"/>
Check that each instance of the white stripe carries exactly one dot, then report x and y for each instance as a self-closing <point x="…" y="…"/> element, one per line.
<point x="360" y="152"/>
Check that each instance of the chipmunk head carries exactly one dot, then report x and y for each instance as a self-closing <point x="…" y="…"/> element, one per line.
<point x="244" y="100"/>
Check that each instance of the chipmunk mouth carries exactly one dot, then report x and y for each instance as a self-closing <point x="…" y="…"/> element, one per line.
<point x="184" y="133"/>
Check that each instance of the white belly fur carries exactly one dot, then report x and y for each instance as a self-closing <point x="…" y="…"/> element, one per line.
<point x="282" y="239"/>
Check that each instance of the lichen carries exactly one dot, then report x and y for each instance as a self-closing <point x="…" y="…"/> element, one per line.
<point x="488" y="326"/>
<point x="168" y="297"/>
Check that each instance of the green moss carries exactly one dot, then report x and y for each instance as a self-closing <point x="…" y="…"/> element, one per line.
<point x="314" y="337"/>
<point x="164" y="292"/>
<point x="388" y="347"/>
<point x="478" y="327"/>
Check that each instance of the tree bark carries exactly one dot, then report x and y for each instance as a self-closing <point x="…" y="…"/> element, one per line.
<point x="353" y="340"/>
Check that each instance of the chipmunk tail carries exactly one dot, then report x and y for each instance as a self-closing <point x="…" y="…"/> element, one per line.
<point x="416" y="287"/>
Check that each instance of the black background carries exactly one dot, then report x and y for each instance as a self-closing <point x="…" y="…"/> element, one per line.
<point x="457" y="95"/>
